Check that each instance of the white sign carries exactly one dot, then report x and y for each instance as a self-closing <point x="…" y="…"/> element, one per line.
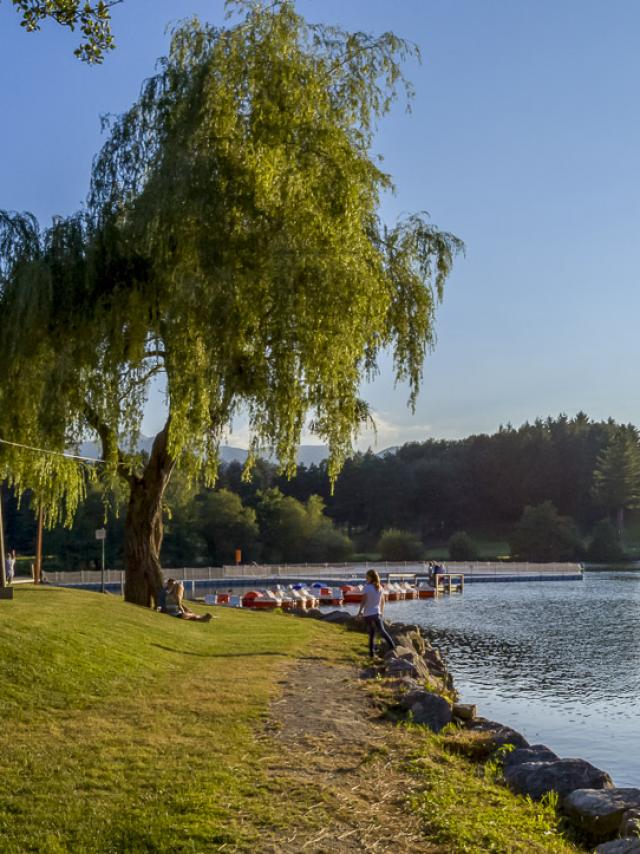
<point x="101" y="534"/>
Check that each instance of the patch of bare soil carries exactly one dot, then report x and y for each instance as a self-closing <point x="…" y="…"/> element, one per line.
<point x="336" y="754"/>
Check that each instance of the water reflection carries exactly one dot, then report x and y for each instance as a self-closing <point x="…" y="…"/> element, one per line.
<point x="561" y="661"/>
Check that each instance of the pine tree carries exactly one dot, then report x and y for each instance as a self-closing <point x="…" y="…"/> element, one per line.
<point x="616" y="479"/>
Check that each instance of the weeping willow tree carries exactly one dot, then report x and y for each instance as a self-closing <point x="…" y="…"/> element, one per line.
<point x="231" y="243"/>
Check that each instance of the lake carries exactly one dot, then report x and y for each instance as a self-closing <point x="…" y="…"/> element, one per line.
<point x="559" y="662"/>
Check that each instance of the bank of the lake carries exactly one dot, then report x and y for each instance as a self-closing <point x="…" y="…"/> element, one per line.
<point x="560" y="662"/>
<point x="125" y="730"/>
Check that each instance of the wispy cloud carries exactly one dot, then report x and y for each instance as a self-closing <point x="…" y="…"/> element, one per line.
<point x="388" y="432"/>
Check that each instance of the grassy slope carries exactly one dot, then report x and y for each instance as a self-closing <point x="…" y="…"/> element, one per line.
<point x="127" y="731"/>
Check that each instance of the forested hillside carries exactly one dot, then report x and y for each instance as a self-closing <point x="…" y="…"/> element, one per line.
<point x="554" y="489"/>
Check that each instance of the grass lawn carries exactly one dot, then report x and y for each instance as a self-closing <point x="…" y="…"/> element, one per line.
<point x="127" y="730"/>
<point x="488" y="549"/>
<point x="124" y="730"/>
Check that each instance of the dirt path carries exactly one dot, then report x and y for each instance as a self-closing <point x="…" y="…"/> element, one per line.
<point x="333" y="750"/>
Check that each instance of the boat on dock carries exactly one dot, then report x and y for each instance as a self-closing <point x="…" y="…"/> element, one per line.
<point x="426" y="590"/>
<point x="410" y="591"/>
<point x="393" y="593"/>
<point x="352" y="595"/>
<point x="262" y="600"/>
<point x="331" y="596"/>
<point x="302" y="597"/>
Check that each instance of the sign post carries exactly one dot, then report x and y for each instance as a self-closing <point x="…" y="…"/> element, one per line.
<point x="101" y="534"/>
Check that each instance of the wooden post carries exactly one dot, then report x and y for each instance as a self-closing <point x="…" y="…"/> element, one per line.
<point x="37" y="571"/>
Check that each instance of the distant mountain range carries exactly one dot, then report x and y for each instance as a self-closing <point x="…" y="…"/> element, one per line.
<point x="307" y="454"/>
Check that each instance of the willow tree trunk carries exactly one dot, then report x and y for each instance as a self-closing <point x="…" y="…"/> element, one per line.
<point x="143" y="526"/>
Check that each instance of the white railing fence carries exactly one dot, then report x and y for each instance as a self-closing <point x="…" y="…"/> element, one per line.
<point x="321" y="570"/>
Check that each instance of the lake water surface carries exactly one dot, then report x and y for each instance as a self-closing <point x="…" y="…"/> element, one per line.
<point x="558" y="661"/>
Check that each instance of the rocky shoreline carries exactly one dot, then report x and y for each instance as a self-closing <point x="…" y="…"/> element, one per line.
<point x="423" y="693"/>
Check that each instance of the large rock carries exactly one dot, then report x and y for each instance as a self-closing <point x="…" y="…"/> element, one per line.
<point x="401" y="685"/>
<point x="412" y="640"/>
<point x="434" y="660"/>
<point x="370" y="673"/>
<point x="401" y="652"/>
<point x="404" y="667"/>
<point x="535" y="753"/>
<point x="402" y="660"/>
<point x="465" y="711"/>
<point x="560" y="775"/>
<point x="619" y="846"/>
<point x="429" y="709"/>
<point x="315" y="613"/>
<point x="402" y="629"/>
<point x="499" y="734"/>
<point x="600" y="811"/>
<point x="630" y="823"/>
<point x="418" y="642"/>
<point x="407" y="700"/>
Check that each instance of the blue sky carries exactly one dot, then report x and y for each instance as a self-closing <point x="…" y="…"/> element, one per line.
<point x="524" y="140"/>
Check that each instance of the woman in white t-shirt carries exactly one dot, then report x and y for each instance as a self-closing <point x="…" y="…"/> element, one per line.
<point x="372" y="608"/>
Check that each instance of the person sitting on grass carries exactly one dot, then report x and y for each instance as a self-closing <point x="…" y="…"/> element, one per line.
<point x="372" y="606"/>
<point x="174" y="606"/>
<point x="161" y="601"/>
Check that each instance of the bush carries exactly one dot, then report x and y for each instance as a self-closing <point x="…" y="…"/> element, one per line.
<point x="605" y="543"/>
<point x="462" y="547"/>
<point x="542" y="534"/>
<point x="400" y="545"/>
<point x="326" y="544"/>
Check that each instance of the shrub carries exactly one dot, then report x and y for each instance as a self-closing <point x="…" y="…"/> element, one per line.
<point x="462" y="547"/>
<point x="542" y="534"/>
<point x="328" y="544"/>
<point x="400" y="545"/>
<point x="605" y="543"/>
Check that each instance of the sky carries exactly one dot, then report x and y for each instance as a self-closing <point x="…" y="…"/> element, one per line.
<point x="523" y="140"/>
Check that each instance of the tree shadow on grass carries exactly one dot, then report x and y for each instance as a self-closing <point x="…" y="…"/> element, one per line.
<point x="266" y="653"/>
<point x="219" y="654"/>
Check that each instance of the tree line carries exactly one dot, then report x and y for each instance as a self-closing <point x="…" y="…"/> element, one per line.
<point x="556" y="489"/>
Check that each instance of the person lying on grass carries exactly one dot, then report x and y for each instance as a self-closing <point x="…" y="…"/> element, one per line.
<point x="372" y="606"/>
<point x="175" y="607"/>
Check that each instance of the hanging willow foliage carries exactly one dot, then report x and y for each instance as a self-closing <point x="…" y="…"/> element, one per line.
<point x="231" y="241"/>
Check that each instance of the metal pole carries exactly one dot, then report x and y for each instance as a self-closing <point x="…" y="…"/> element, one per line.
<point x="37" y="573"/>
<point x="102" y="568"/>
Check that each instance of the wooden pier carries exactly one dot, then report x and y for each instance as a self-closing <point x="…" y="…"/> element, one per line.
<point x="448" y="582"/>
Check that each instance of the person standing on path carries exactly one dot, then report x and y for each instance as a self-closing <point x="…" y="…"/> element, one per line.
<point x="372" y="608"/>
